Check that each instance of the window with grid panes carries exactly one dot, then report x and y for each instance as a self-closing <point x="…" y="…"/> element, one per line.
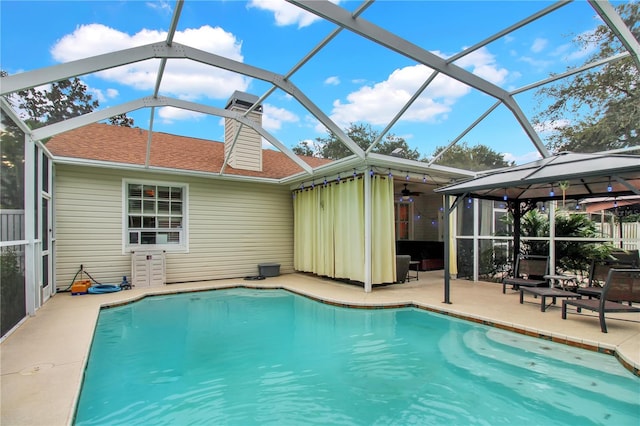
<point x="404" y="220"/>
<point x="155" y="215"/>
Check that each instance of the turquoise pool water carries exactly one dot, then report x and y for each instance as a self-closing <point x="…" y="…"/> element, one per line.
<point x="269" y="357"/>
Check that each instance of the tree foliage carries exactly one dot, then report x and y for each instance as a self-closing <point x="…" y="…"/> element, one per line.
<point x="573" y="256"/>
<point x="606" y="100"/>
<point x="476" y="158"/>
<point x="363" y="135"/>
<point x="39" y="107"/>
<point x="122" y="120"/>
<point x="62" y="100"/>
<point x="479" y="157"/>
<point x="11" y="165"/>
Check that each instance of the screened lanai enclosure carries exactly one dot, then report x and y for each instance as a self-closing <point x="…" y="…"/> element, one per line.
<point x="239" y="153"/>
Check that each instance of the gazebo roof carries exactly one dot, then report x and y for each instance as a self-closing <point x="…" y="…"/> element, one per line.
<point x="582" y="176"/>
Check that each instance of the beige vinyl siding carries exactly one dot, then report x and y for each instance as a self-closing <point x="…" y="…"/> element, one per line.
<point x="247" y="152"/>
<point x="429" y="226"/>
<point x="88" y="218"/>
<point x="233" y="226"/>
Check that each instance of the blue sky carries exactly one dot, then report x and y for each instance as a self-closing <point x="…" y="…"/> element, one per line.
<point x="351" y="79"/>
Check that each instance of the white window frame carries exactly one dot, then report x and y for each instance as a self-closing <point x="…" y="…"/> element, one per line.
<point x="409" y="221"/>
<point x="183" y="245"/>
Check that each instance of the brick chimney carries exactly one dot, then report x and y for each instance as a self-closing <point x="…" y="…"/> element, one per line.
<point x="247" y="152"/>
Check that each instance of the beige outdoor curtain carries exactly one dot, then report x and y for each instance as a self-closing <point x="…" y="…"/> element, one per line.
<point x="329" y="230"/>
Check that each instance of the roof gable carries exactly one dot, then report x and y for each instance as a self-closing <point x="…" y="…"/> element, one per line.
<point x="128" y="146"/>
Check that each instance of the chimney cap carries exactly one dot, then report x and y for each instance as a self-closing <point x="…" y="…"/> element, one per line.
<point x="244" y="100"/>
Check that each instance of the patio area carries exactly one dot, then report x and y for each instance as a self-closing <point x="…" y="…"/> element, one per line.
<point x="43" y="360"/>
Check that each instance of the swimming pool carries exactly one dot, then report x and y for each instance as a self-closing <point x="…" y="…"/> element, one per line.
<point x="242" y="357"/>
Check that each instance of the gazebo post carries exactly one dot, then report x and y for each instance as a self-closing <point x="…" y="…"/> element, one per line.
<point x="447" y="247"/>
<point x="517" y="216"/>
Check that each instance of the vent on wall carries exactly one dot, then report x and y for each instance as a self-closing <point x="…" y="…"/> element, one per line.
<point x="148" y="268"/>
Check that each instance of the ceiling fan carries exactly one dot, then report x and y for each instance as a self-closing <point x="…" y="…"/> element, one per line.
<point x="408" y="193"/>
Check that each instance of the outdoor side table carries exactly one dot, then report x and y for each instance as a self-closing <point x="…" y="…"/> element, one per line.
<point x="414" y="265"/>
<point x="562" y="280"/>
<point x="545" y="292"/>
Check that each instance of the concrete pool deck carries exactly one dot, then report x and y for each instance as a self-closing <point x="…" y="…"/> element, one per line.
<point x="42" y="361"/>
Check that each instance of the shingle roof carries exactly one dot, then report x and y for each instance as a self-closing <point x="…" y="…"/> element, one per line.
<point x="117" y="144"/>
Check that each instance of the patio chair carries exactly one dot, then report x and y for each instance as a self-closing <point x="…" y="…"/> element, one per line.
<point x="529" y="272"/>
<point x="598" y="273"/>
<point x="631" y="257"/>
<point x="622" y="285"/>
<point x="402" y="267"/>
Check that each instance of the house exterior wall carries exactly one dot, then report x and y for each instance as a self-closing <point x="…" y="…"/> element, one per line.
<point x="233" y="226"/>
<point x="429" y="226"/>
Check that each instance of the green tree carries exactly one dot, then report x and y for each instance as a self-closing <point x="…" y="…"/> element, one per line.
<point x="62" y="100"/>
<point x="40" y="107"/>
<point x="476" y="158"/>
<point x="122" y="120"/>
<point x="307" y="148"/>
<point x="363" y="135"/>
<point x="11" y="165"/>
<point x="606" y="100"/>
<point x="574" y="256"/>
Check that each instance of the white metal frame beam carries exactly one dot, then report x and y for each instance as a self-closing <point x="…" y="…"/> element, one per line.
<point x="460" y="55"/>
<point x="161" y="50"/>
<point x="368" y="30"/>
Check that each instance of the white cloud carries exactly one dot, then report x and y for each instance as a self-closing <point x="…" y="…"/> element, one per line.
<point x="582" y="53"/>
<point x="112" y="93"/>
<point x="162" y="5"/>
<point x="522" y="159"/>
<point x="561" y="49"/>
<point x="379" y="103"/>
<point x="538" y="64"/>
<point x="169" y="115"/>
<point x="570" y="53"/>
<point x="102" y="95"/>
<point x="547" y="127"/>
<point x="273" y="117"/>
<point x="285" y="13"/>
<point x="185" y="79"/>
<point x="483" y="64"/>
<point x="332" y="81"/>
<point x="97" y="94"/>
<point x="539" y="45"/>
<point x="311" y="122"/>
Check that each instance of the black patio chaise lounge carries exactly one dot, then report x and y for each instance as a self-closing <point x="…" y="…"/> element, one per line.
<point x="621" y="289"/>
<point x="598" y="273"/>
<point x="529" y="271"/>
